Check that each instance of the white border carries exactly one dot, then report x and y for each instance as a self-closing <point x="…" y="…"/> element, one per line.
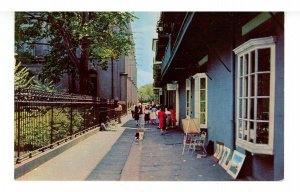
<point x="292" y="95"/>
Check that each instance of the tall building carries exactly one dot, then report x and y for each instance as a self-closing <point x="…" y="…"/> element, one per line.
<point x="119" y="81"/>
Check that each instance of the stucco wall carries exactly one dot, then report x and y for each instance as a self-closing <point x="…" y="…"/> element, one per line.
<point x="220" y="94"/>
<point x="279" y="111"/>
<point x="182" y="101"/>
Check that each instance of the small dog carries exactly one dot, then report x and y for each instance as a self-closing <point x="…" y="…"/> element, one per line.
<point x="139" y="135"/>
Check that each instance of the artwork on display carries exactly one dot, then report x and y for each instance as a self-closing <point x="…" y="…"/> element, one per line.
<point x="225" y="158"/>
<point x="235" y="164"/>
<point x="218" y="153"/>
<point x="217" y="150"/>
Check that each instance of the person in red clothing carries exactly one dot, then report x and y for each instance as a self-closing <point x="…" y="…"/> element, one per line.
<point x="173" y="116"/>
<point x="162" y="120"/>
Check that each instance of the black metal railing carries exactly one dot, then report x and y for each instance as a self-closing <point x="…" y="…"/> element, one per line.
<point x="44" y="120"/>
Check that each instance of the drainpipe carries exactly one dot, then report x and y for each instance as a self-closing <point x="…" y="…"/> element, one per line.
<point x="233" y="24"/>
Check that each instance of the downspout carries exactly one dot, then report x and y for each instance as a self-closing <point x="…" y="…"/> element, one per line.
<point x="233" y="24"/>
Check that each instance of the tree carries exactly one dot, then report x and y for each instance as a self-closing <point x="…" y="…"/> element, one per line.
<point x="146" y="93"/>
<point x="99" y="36"/>
<point x="22" y="77"/>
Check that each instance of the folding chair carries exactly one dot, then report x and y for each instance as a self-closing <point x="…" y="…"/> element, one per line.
<point x="199" y="141"/>
<point x="191" y="130"/>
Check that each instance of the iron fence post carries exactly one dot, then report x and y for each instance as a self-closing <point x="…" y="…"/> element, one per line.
<point x="19" y="133"/>
<point x="84" y="117"/>
<point x="51" y="126"/>
<point x="71" y="121"/>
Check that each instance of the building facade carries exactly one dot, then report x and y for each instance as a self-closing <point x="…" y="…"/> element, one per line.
<point x="227" y="70"/>
<point x="119" y="81"/>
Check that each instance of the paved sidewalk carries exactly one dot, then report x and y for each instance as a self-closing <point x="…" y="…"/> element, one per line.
<point x="115" y="156"/>
<point x="156" y="158"/>
<point x="159" y="158"/>
<point x="76" y="163"/>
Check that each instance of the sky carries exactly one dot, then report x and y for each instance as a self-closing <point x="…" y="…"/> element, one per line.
<point x="144" y="30"/>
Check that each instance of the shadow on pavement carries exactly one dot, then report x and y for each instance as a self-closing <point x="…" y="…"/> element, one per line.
<point x="130" y="123"/>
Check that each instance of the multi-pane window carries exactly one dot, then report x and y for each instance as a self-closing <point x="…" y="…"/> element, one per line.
<point x="255" y="95"/>
<point x="201" y="98"/>
<point x="188" y="97"/>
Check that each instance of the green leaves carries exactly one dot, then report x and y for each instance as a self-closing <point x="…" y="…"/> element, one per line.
<point x="22" y="77"/>
<point x="44" y="85"/>
<point x="100" y="35"/>
<point x="146" y="94"/>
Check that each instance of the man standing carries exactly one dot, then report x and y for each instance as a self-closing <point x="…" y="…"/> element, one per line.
<point x="118" y="111"/>
<point x="132" y="110"/>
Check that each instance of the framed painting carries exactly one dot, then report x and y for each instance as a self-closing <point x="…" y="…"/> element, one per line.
<point x="225" y="157"/>
<point x="218" y="152"/>
<point x="235" y="164"/>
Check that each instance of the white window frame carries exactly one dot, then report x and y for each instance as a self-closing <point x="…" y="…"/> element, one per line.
<point x="242" y="50"/>
<point x="197" y="99"/>
<point x="188" y="97"/>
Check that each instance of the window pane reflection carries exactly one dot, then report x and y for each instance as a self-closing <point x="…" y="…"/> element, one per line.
<point x="252" y="61"/>
<point x="264" y="59"/>
<point x="263" y="109"/>
<point x="263" y="88"/>
<point x="262" y="133"/>
<point x="202" y="83"/>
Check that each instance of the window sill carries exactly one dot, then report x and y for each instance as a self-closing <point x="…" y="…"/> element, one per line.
<point x="255" y="148"/>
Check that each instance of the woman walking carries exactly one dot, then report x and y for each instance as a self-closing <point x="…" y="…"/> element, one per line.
<point x="162" y="120"/>
<point x="157" y="119"/>
<point x="173" y="117"/>
<point x="147" y="115"/>
<point x="153" y="115"/>
<point x="136" y="115"/>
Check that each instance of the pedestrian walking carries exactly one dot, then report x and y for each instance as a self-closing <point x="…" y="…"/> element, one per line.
<point x="153" y="115"/>
<point x="168" y="118"/>
<point x="162" y="120"/>
<point x="157" y="119"/>
<point x="132" y="110"/>
<point x="147" y="115"/>
<point x="136" y="115"/>
<point x="140" y="108"/>
<point x="173" y="116"/>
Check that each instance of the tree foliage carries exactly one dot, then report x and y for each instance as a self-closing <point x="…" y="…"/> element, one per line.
<point x="145" y="93"/>
<point x="74" y="40"/>
<point x="25" y="80"/>
<point x="22" y="77"/>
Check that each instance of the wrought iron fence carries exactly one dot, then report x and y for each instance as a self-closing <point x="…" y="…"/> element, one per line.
<point x="44" y="120"/>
